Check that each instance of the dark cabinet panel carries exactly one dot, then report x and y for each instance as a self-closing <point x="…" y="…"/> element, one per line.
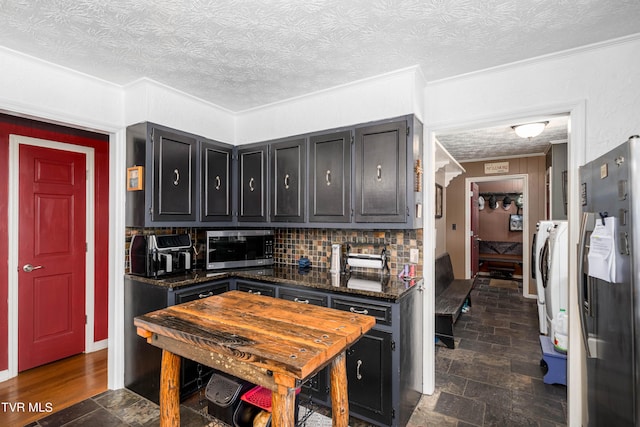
<point x="288" y="180"/>
<point x="369" y="376"/>
<point x="380" y="173"/>
<point x="252" y="173"/>
<point x="330" y="177"/>
<point x="216" y="182"/>
<point x="256" y="288"/>
<point x="174" y="164"/>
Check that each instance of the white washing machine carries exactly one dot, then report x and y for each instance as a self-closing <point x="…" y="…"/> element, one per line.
<point x="557" y="289"/>
<point x="541" y="269"/>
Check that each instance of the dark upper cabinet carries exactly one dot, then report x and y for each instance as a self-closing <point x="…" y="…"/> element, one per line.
<point x="380" y="173"/>
<point x="252" y="183"/>
<point x="168" y="193"/>
<point x="288" y="173"/>
<point x="174" y="167"/>
<point x="216" y="181"/>
<point x="330" y="177"/>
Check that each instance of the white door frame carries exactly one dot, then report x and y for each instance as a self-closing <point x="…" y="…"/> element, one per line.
<point x="13" y="225"/>
<point x="525" y="227"/>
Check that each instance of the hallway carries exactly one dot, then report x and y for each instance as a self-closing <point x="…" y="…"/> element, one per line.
<point x="493" y="376"/>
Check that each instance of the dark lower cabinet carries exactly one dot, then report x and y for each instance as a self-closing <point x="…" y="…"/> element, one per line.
<point x="369" y="376"/>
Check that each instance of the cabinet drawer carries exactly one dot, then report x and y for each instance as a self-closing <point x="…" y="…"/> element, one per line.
<point x="197" y="292"/>
<point x="381" y="311"/>
<point x="256" y="288"/>
<point x="304" y="297"/>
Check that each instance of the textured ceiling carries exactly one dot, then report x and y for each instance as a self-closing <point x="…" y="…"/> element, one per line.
<point x="502" y="141"/>
<point x="241" y="54"/>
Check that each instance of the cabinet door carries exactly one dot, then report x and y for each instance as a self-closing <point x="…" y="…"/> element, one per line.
<point x="288" y="161"/>
<point x="330" y="173"/>
<point x="174" y="161"/>
<point x="369" y="376"/>
<point x="216" y="182"/>
<point x="380" y="173"/>
<point x="252" y="173"/>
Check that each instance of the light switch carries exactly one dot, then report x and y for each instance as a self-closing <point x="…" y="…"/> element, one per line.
<point x="414" y="255"/>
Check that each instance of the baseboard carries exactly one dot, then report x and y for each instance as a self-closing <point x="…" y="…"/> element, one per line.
<point x="98" y="345"/>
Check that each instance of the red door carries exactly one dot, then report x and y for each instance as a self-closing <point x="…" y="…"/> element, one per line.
<point x="51" y="255"/>
<point x="475" y="239"/>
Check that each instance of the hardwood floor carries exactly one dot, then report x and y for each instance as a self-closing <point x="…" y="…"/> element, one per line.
<point x="41" y="391"/>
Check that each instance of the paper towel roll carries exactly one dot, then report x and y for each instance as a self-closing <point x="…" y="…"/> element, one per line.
<point x="365" y="263"/>
<point x="364" y="285"/>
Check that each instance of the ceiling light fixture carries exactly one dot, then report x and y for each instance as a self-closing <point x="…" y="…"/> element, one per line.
<point x="529" y="130"/>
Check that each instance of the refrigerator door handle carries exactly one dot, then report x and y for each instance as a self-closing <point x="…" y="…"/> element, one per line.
<point x="585" y="307"/>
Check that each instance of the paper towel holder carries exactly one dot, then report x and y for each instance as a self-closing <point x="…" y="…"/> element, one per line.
<point x="377" y="260"/>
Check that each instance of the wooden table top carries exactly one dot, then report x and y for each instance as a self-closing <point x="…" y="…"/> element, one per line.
<point x="276" y="335"/>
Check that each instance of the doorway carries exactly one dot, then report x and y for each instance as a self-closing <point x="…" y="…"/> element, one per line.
<point x="63" y="334"/>
<point x="497" y="229"/>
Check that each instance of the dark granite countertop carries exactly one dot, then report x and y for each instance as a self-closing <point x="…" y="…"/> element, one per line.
<point x="366" y="285"/>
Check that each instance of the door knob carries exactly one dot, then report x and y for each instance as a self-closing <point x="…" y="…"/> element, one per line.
<point x="28" y="268"/>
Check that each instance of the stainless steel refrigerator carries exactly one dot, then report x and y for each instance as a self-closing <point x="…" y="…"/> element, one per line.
<point x="609" y="284"/>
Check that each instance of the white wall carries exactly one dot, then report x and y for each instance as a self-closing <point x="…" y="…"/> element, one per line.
<point x="383" y="97"/>
<point x="601" y="89"/>
<point x="147" y="100"/>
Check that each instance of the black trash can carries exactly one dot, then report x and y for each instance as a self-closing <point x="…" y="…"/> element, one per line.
<point x="223" y="395"/>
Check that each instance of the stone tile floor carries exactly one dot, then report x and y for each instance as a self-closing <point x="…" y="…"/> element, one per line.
<point x="492" y="378"/>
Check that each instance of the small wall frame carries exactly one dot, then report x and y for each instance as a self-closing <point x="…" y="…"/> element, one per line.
<point x="515" y="222"/>
<point x="135" y="178"/>
<point x="439" y="196"/>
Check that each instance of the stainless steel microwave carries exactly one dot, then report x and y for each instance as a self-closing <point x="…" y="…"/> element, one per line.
<point x="239" y="248"/>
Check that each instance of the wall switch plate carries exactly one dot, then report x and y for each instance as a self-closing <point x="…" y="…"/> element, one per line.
<point x="414" y="255"/>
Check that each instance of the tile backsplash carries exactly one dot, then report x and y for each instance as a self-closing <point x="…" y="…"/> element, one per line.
<point x="315" y="244"/>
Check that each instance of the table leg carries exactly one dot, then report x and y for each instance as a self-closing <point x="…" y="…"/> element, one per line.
<point x="339" y="396"/>
<point x="283" y="407"/>
<point x="170" y="390"/>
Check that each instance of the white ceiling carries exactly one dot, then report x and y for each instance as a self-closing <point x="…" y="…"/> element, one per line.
<point x="241" y="54"/>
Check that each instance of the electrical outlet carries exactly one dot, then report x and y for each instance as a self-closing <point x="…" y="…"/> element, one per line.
<point x="414" y="254"/>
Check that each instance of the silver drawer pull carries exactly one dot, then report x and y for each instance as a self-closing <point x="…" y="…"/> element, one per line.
<point x="354" y="310"/>
<point x="251" y="291"/>
<point x="251" y="187"/>
<point x="176" y="181"/>
<point x="286" y="181"/>
<point x="218" y="182"/>
<point x="301" y="301"/>
<point x="358" y="364"/>
<point x="379" y="172"/>
<point x="208" y="294"/>
<point x="327" y="177"/>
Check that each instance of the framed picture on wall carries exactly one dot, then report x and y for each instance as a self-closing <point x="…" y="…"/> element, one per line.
<point x="438" y="201"/>
<point x="515" y="222"/>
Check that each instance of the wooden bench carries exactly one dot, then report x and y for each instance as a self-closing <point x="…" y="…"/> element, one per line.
<point x="501" y="259"/>
<point x="451" y="294"/>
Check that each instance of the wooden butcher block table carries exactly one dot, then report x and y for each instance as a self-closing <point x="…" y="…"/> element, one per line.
<point x="270" y="342"/>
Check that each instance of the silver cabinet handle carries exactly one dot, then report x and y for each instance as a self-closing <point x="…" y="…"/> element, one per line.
<point x="251" y="187"/>
<point x="28" y="268"/>
<point x="328" y="177"/>
<point x="379" y="172"/>
<point x="208" y="294"/>
<point x="358" y="364"/>
<point x="218" y="182"/>
<point x="354" y="310"/>
<point x="251" y="291"/>
<point x="301" y="301"/>
<point x="176" y="172"/>
<point x="286" y="181"/>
